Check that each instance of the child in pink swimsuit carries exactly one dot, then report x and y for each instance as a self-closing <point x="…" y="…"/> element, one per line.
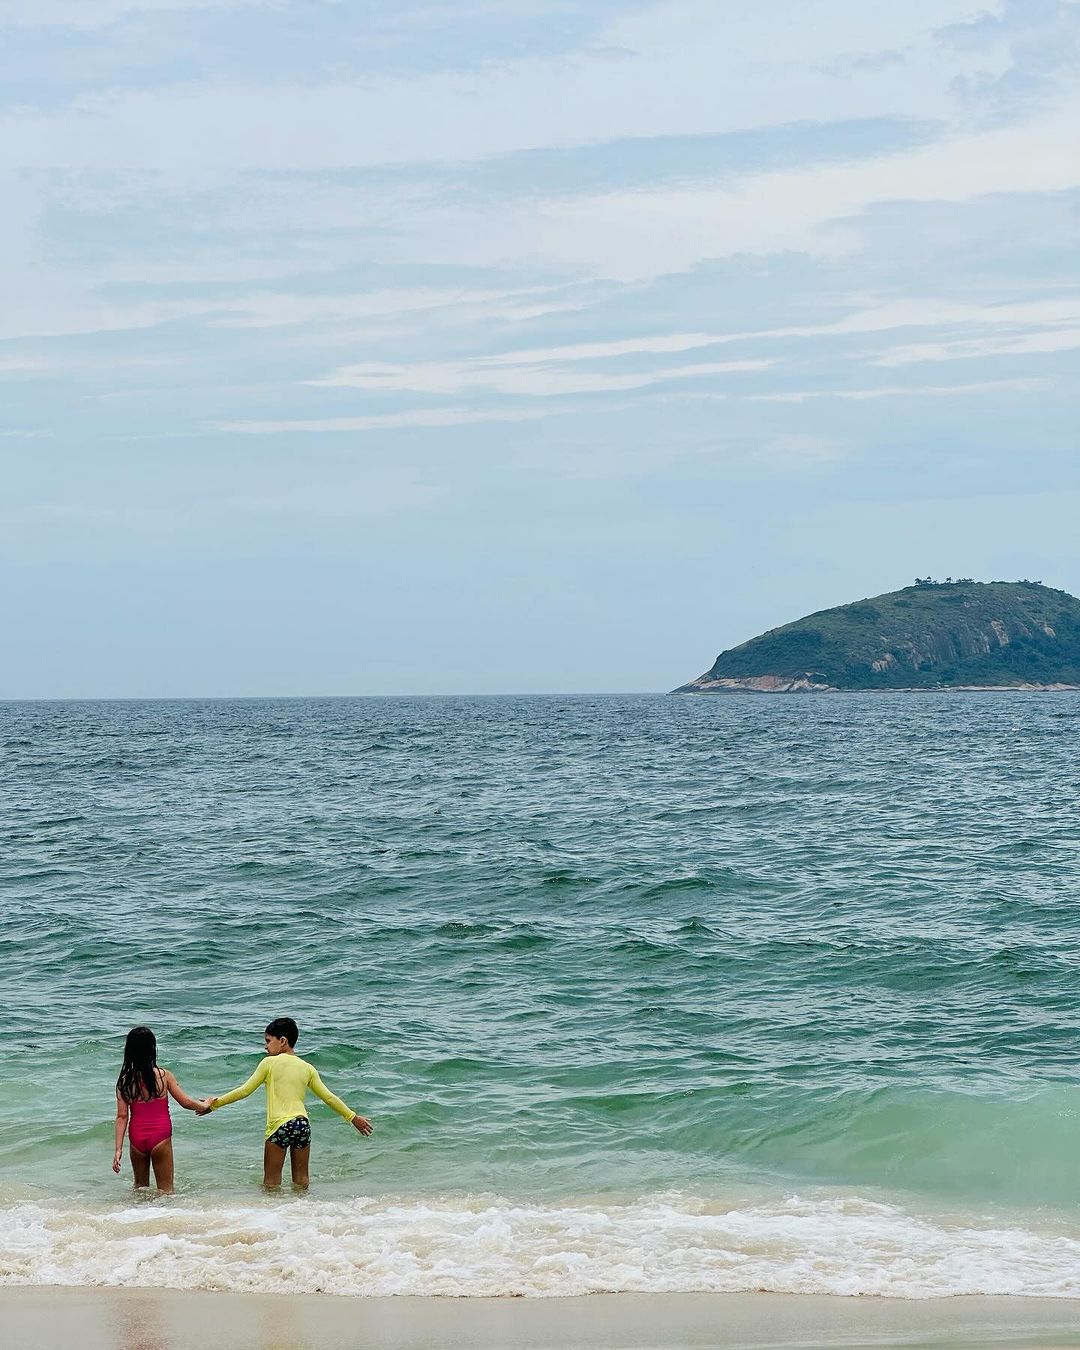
<point x="142" y="1110"/>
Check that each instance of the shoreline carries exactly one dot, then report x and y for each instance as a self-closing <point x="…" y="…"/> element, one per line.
<point x="47" y="1317"/>
<point x="893" y="689"/>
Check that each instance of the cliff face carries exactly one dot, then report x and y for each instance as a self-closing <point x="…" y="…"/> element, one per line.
<point x="934" y="635"/>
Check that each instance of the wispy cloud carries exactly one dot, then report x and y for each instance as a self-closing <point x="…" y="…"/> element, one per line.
<point x="271" y="309"/>
<point x="23" y="366"/>
<point x="921" y="311"/>
<point x="1043" y="342"/>
<point x="654" y="70"/>
<point x="634" y="237"/>
<point x="544" y="372"/>
<point x="905" y="391"/>
<point x="416" y="417"/>
<point x="800" y="448"/>
<point x="88" y="14"/>
<point x="385" y="493"/>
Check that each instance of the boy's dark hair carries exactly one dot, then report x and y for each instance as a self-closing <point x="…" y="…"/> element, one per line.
<point x="284" y="1026"/>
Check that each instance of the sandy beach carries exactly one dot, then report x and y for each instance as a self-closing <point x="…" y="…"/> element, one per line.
<point x="47" y="1318"/>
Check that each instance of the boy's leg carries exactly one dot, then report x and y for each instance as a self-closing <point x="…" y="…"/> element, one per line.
<point x="140" y="1166"/>
<point x="273" y="1162"/>
<point x="299" y="1159"/>
<point x="162" y="1158"/>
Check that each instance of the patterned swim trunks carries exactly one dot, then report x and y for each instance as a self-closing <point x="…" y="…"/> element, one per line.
<point x="295" y="1133"/>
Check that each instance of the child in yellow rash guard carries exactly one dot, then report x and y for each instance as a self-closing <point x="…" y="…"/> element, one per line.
<point x="287" y="1078"/>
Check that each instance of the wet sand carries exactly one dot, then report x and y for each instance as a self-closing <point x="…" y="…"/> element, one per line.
<point x="47" y="1318"/>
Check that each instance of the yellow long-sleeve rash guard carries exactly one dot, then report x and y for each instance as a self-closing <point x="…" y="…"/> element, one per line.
<point x="287" y="1079"/>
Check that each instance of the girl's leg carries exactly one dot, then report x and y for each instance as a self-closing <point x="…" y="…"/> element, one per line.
<point x="162" y="1158"/>
<point x="273" y="1162"/>
<point x="140" y="1166"/>
<point x="299" y="1158"/>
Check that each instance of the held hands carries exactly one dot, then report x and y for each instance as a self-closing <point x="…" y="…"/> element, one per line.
<point x="206" y="1106"/>
<point x="362" y="1124"/>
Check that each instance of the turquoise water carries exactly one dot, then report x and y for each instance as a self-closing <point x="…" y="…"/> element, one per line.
<point x="640" y="992"/>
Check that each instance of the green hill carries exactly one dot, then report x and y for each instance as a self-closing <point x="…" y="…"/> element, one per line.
<point x="933" y="635"/>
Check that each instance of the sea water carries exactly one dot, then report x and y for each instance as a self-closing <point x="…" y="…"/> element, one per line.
<point x="641" y="993"/>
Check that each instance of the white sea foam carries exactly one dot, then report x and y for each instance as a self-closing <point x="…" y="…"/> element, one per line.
<point x="486" y="1246"/>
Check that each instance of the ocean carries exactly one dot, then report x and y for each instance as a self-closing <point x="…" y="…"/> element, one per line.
<point x="641" y="993"/>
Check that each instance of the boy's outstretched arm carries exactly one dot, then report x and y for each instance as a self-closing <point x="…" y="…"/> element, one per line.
<point x="244" y="1090"/>
<point x="316" y="1084"/>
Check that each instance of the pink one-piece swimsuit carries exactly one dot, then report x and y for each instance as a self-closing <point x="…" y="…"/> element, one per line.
<point x="150" y="1123"/>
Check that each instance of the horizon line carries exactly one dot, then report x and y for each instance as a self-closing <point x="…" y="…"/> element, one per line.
<point x="313" y="698"/>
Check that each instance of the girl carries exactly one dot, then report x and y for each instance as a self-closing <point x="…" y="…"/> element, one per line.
<point x="142" y="1094"/>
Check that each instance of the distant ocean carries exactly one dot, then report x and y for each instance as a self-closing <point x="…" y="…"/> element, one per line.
<point x="642" y="993"/>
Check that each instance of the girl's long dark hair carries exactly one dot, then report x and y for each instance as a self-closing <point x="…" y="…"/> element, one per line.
<point x="138" y="1079"/>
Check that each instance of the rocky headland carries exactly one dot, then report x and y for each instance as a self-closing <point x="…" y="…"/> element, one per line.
<point x="932" y="635"/>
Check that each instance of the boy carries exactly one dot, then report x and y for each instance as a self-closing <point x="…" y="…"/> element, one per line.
<point x="287" y="1078"/>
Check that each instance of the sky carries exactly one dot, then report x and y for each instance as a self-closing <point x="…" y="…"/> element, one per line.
<point x="497" y="346"/>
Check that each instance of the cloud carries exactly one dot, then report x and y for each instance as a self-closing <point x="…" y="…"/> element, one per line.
<point x="138" y="297"/>
<point x="542" y="371"/>
<point x="935" y="311"/>
<point x="904" y="391"/>
<point x="556" y="371"/>
<point x="638" y="236"/>
<point x="800" y="449"/>
<point x="23" y="366"/>
<point x="416" y="417"/>
<point x="271" y="309"/>
<point x="181" y="218"/>
<point x="1041" y="343"/>
<point x="676" y="69"/>
<point x="88" y="14"/>
<point x="380" y="492"/>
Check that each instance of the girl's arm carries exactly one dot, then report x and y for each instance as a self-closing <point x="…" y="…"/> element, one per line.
<point x="121" y="1130"/>
<point x="245" y="1089"/>
<point x="316" y="1084"/>
<point x="177" y="1093"/>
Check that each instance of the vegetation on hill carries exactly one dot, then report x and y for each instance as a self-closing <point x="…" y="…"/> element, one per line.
<point x="934" y="634"/>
